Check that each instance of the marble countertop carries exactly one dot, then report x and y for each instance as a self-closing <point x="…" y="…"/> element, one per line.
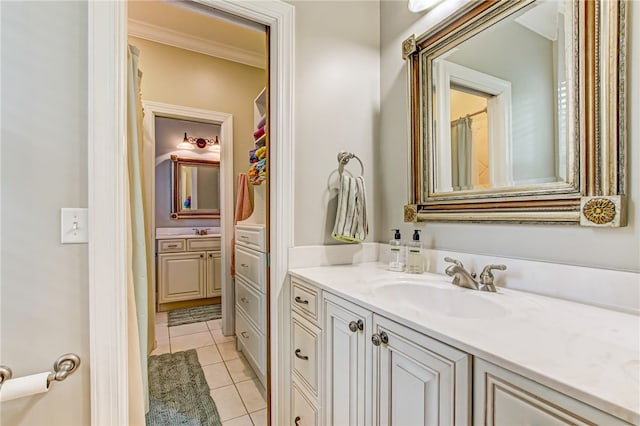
<point x="177" y="232"/>
<point x="589" y="353"/>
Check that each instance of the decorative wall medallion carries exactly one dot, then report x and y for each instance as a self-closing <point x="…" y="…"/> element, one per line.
<point x="408" y="47"/>
<point x="410" y="213"/>
<point x="601" y="211"/>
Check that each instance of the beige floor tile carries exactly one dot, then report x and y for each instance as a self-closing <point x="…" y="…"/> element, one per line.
<point x="191" y="341"/>
<point x="252" y="394"/>
<point x="162" y="349"/>
<point x="221" y="338"/>
<point x="209" y="355"/>
<point x="259" y="417"/>
<point x="161" y="318"/>
<point x="240" y="369"/>
<point x="183" y="330"/>
<point x="215" y="324"/>
<point x="228" y="351"/>
<point x="162" y="334"/>
<point x="239" y="421"/>
<point x="217" y="375"/>
<point x="228" y="402"/>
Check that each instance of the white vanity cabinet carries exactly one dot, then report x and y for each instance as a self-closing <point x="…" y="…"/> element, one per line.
<point x="404" y="378"/>
<point x="418" y="380"/>
<point x="502" y="397"/>
<point x="250" y="296"/>
<point x="188" y="269"/>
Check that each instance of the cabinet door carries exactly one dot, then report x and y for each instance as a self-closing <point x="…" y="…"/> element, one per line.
<point x="347" y="362"/>
<point x="418" y="380"/>
<point x="214" y="274"/>
<point x="502" y="397"/>
<point x="181" y="276"/>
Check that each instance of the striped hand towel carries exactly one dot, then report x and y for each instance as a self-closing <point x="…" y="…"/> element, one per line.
<point x="351" y="216"/>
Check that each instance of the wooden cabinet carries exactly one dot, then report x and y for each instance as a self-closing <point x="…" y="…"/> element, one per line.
<point x="250" y="296"/>
<point x="189" y="269"/>
<point x="502" y="397"/>
<point x="347" y="349"/>
<point x="418" y="380"/>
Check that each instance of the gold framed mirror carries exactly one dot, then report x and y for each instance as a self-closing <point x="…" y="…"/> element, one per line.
<point x="517" y="113"/>
<point x="195" y="188"/>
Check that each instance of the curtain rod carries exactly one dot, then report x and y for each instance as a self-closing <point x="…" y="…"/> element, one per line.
<point x="470" y="115"/>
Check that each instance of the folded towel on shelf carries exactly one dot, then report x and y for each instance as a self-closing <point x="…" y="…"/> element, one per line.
<point x="258" y="133"/>
<point x="253" y="158"/>
<point x="351" y="216"/>
<point x="262" y="122"/>
<point x="261" y="152"/>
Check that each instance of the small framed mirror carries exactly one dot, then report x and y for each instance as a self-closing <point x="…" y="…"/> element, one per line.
<point x="517" y="114"/>
<point x="196" y="188"/>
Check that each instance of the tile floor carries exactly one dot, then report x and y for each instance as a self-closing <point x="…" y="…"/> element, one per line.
<point x="238" y="394"/>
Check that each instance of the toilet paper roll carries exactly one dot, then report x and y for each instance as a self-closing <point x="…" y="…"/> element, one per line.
<point x="24" y="386"/>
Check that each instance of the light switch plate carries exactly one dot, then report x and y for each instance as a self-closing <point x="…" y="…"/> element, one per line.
<point x="74" y="226"/>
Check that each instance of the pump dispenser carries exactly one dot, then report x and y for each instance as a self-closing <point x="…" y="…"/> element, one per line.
<point x="415" y="258"/>
<point x="396" y="262"/>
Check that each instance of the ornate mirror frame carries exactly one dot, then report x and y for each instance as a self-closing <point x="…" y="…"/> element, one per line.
<point x="595" y="193"/>
<point x="176" y="212"/>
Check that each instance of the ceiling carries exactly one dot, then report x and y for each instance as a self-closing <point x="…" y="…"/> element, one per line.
<point x="185" y="25"/>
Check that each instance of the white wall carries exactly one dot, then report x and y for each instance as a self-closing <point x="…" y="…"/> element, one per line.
<point x="44" y="284"/>
<point x="337" y="108"/>
<point x="606" y="248"/>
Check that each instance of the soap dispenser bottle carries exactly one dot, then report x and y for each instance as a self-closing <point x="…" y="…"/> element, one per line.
<point x="415" y="259"/>
<point x="396" y="263"/>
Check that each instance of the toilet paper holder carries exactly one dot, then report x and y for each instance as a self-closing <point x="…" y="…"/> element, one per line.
<point x="63" y="366"/>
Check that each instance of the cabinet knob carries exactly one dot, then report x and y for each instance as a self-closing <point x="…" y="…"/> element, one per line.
<point x="201" y="256"/>
<point x="210" y="255"/>
<point x="360" y="325"/>
<point x="297" y="420"/>
<point x="300" y="300"/>
<point x="297" y="353"/>
<point x="353" y="326"/>
<point x="379" y="338"/>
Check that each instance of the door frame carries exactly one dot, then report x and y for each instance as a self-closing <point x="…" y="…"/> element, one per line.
<point x="154" y="109"/>
<point x="107" y="60"/>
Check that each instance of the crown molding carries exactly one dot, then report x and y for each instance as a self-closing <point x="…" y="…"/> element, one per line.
<point x="181" y="40"/>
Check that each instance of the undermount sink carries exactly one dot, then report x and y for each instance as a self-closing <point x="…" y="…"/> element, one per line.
<point x="451" y="302"/>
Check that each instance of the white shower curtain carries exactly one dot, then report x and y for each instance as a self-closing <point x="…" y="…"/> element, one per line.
<point x="461" y="154"/>
<point x="139" y="274"/>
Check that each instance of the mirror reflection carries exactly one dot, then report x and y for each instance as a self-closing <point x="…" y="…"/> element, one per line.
<point x="500" y="102"/>
<point x="196" y="188"/>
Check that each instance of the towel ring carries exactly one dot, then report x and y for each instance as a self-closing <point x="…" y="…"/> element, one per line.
<point x="343" y="159"/>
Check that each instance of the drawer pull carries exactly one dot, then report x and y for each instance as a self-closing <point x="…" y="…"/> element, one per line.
<point x="244" y="265"/>
<point x="244" y="300"/>
<point x="297" y="420"/>
<point x="244" y="334"/>
<point x="304" y="357"/>
<point x="172" y="245"/>
<point x="244" y="237"/>
<point x="299" y="300"/>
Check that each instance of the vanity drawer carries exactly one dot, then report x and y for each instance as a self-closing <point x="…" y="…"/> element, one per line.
<point x="303" y="411"/>
<point x="251" y="341"/>
<point x="251" y="236"/>
<point x="305" y="345"/>
<point x="305" y="300"/>
<point x="251" y="303"/>
<point x="171" y="246"/>
<point x="197" y="244"/>
<point x="252" y="266"/>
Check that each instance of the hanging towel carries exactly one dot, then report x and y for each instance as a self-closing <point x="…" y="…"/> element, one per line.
<point x="243" y="211"/>
<point x="351" y="217"/>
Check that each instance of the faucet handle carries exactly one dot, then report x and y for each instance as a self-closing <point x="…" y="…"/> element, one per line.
<point x="486" y="277"/>
<point x="452" y="260"/>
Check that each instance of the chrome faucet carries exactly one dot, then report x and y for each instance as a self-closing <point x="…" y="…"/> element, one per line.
<point x="204" y="231"/>
<point x="466" y="279"/>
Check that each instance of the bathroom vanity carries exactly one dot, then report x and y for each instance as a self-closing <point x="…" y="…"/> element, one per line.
<point x="188" y="267"/>
<point x="373" y="347"/>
